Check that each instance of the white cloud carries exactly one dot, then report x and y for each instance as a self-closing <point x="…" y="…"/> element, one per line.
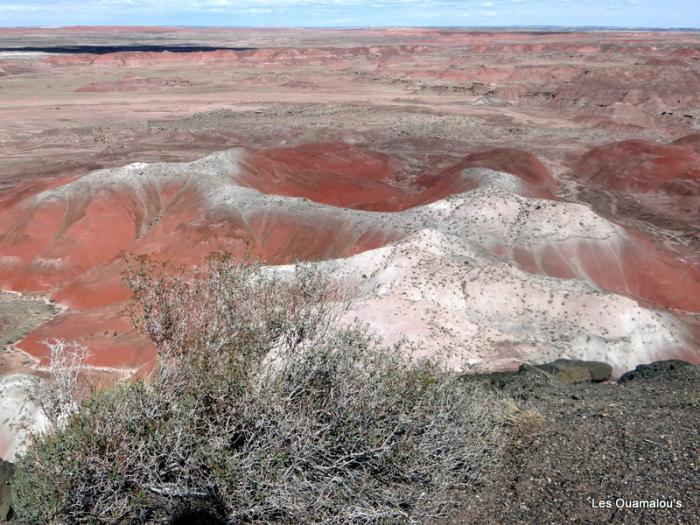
<point x="19" y="7"/>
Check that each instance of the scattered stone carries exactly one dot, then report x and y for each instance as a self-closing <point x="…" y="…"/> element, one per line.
<point x="527" y="368"/>
<point x="7" y="470"/>
<point x="655" y="369"/>
<point x="595" y="441"/>
<point x="574" y="371"/>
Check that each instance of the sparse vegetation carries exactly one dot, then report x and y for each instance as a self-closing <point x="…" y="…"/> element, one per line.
<point x="262" y="411"/>
<point x="690" y="397"/>
<point x="59" y="395"/>
<point x="19" y="315"/>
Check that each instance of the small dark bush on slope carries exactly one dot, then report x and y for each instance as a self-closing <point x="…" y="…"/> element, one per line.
<point x="262" y="413"/>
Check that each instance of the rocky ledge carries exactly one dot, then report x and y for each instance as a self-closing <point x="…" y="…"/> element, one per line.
<point x="624" y="451"/>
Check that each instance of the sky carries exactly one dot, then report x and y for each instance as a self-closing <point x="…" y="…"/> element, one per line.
<point x="352" y="13"/>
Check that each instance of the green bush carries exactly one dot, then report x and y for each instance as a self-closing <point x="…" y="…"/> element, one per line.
<point x="311" y="426"/>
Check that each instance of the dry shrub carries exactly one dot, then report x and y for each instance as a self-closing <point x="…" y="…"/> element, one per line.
<point x="336" y="428"/>
<point x="60" y="393"/>
<point x="225" y="316"/>
<point x="521" y="421"/>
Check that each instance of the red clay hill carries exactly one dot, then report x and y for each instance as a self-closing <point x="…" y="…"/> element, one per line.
<point x="307" y="203"/>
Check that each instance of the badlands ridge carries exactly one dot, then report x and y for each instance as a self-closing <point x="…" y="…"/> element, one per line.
<point x="481" y="259"/>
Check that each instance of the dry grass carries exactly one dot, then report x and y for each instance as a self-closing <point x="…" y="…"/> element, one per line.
<point x="262" y="412"/>
<point x="521" y="421"/>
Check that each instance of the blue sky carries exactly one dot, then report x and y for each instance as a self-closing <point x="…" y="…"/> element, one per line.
<point x="273" y="13"/>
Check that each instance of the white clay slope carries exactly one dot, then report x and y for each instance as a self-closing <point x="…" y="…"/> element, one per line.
<point x="448" y="296"/>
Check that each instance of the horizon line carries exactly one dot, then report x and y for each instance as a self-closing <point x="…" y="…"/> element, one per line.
<point x="566" y="28"/>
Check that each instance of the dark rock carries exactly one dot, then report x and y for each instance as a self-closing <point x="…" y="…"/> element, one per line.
<point x="573" y="371"/>
<point x="7" y="470"/>
<point x="655" y="369"/>
<point x="196" y="512"/>
<point x="533" y="370"/>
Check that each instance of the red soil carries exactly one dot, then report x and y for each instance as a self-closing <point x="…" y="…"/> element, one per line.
<point x="57" y="239"/>
<point x="631" y="266"/>
<point x="69" y="244"/>
<point x="352" y="177"/>
<point x="83" y="29"/>
<point x="689" y="141"/>
<point x="336" y="174"/>
<point x="107" y="332"/>
<point x="429" y="95"/>
<point x="536" y="179"/>
<point x="525" y="165"/>
<point x="641" y="166"/>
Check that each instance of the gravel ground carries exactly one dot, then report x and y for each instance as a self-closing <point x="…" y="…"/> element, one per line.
<point x="580" y="452"/>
